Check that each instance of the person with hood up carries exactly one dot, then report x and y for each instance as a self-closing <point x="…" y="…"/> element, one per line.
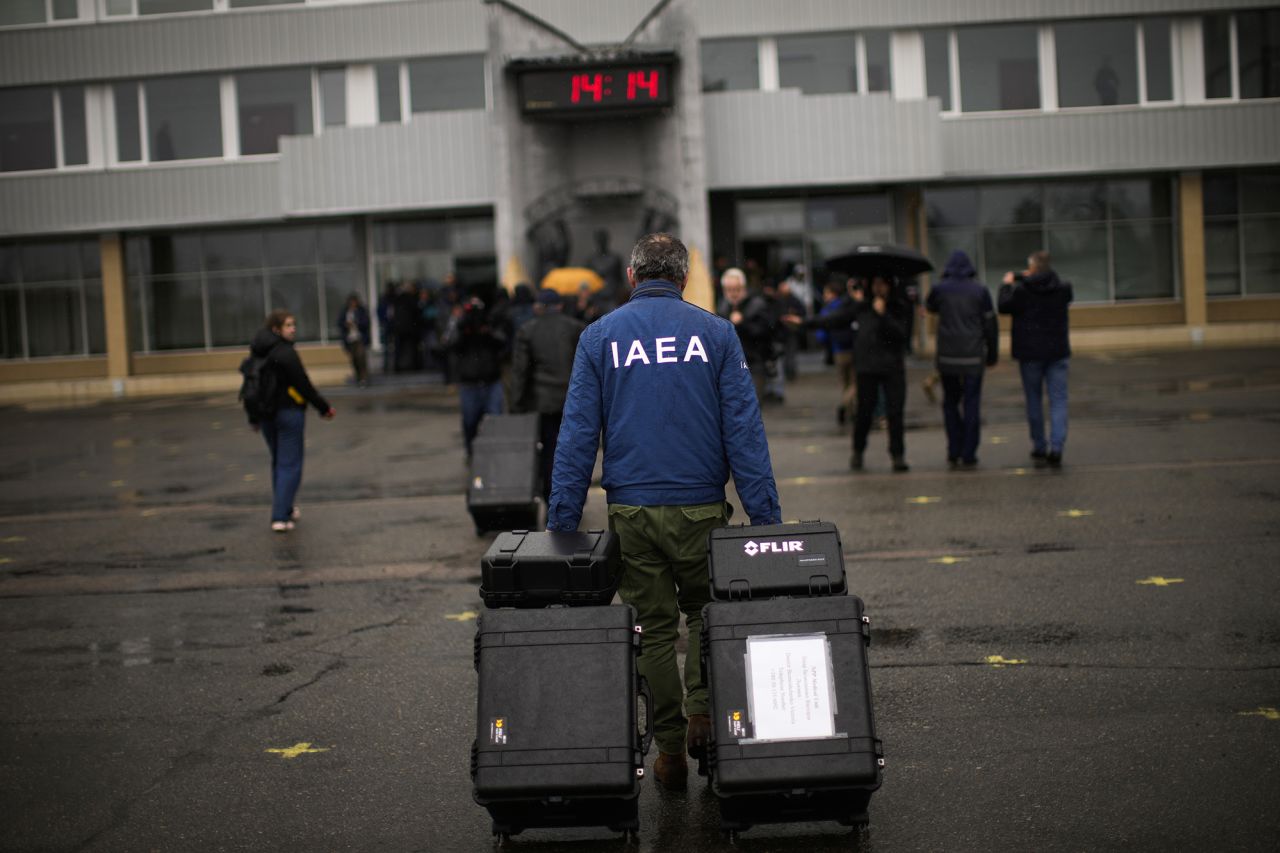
<point x="968" y="342"/>
<point x="283" y="431"/>
<point x="1037" y="300"/>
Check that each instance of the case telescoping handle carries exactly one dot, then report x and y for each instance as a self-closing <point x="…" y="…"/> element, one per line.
<point x="646" y="737"/>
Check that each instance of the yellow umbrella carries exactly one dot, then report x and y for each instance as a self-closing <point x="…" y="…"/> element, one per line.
<point x="567" y="280"/>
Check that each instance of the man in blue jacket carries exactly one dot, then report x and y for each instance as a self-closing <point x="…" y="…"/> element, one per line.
<point x="667" y="385"/>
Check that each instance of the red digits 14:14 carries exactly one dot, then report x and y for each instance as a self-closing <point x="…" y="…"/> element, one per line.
<point x="584" y="84"/>
<point x="641" y="80"/>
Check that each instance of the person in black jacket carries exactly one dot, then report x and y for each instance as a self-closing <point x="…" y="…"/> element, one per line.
<point x="477" y="345"/>
<point x="1037" y="300"/>
<point x="968" y="341"/>
<point x="284" y="430"/>
<point x="752" y="319"/>
<point x="353" y="330"/>
<point x="540" y="371"/>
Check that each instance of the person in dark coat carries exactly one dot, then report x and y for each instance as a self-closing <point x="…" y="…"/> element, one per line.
<point x="540" y="369"/>
<point x="477" y="346"/>
<point x="968" y="342"/>
<point x="1037" y="300"/>
<point x="283" y="431"/>
<point x="353" y="329"/>
<point x="753" y="321"/>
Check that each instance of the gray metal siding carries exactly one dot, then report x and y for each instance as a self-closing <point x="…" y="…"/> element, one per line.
<point x="150" y="197"/>
<point x="760" y="139"/>
<point x="438" y="160"/>
<point x="1113" y="141"/>
<point x="222" y="41"/>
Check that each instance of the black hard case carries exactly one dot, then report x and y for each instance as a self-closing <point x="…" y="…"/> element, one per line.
<point x="504" y="487"/>
<point x="523" y="569"/>
<point x="563" y="682"/>
<point x="792" y="780"/>
<point x="763" y="561"/>
<point x="509" y="427"/>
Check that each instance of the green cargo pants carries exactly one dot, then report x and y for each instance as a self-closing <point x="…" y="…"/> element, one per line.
<point x="664" y="574"/>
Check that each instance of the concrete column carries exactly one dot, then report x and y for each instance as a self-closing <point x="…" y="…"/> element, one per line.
<point x="115" y="307"/>
<point x="1191" y="245"/>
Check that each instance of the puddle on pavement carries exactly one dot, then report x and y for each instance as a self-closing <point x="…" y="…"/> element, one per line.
<point x="894" y="638"/>
<point x="139" y="651"/>
<point x="1009" y="635"/>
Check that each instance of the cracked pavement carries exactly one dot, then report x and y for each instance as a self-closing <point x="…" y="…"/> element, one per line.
<point x="1076" y="660"/>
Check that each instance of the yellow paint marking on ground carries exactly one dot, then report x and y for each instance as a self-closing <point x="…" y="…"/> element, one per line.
<point x="122" y="443"/>
<point x="464" y="616"/>
<point x="999" y="439"/>
<point x="1200" y="417"/>
<point x="1075" y="513"/>
<point x="150" y="513"/>
<point x="9" y="540"/>
<point x="1159" y="581"/>
<point x="216" y="425"/>
<point x="1019" y="472"/>
<point x="799" y="481"/>
<point x="117" y="484"/>
<point x="4" y="561"/>
<point x="249" y="478"/>
<point x="999" y="661"/>
<point x="920" y="500"/>
<point x="949" y="560"/>
<point x="297" y="749"/>
<point x="1269" y="713"/>
<point x="812" y="448"/>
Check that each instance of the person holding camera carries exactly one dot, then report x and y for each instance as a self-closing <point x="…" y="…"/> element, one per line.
<point x="477" y="345"/>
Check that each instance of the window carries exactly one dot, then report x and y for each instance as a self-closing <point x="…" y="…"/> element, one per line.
<point x="333" y="96"/>
<point x="17" y="12"/>
<point x="879" y="78"/>
<point x="1216" y="34"/>
<point x="75" y="141"/>
<point x="388" y="76"/>
<point x="184" y="117"/>
<point x="1242" y="233"/>
<point x="27" y="135"/>
<point x="1258" y="39"/>
<point x="817" y="64"/>
<point x="164" y="7"/>
<point x="999" y="68"/>
<point x="1097" y="63"/>
<point x="1157" y="43"/>
<point x="128" y="122"/>
<point x="51" y="299"/>
<point x="447" y="83"/>
<point x="272" y="104"/>
<point x="937" y="66"/>
<point x="242" y="4"/>
<point x="730" y="65"/>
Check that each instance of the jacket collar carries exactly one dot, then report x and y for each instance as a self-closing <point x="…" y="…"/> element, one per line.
<point x="656" y="287"/>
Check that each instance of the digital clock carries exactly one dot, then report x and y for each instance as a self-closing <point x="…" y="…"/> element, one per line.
<point x="595" y="88"/>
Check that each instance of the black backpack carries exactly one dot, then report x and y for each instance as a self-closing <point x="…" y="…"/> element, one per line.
<point x="258" y="390"/>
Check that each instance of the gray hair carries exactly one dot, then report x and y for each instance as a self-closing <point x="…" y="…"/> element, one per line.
<point x="660" y="256"/>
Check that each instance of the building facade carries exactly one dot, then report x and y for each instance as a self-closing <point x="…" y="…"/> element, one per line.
<point x="171" y="169"/>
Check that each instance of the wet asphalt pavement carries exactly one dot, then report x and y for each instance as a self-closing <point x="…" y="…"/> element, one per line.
<point x="1084" y="659"/>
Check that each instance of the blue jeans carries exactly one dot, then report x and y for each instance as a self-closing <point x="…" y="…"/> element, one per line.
<point x="1053" y="375"/>
<point x="478" y="399"/>
<point x="284" y="438"/>
<point x="962" y="414"/>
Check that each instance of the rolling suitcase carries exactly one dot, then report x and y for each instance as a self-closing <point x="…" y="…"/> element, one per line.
<point x="793" y="732"/>
<point x="523" y="569"/>
<point x="801" y="558"/>
<point x="509" y="427"/>
<point x="557" y="742"/>
<point x="504" y="487"/>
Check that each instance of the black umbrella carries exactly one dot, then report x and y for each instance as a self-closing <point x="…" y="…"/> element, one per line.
<point x="870" y="260"/>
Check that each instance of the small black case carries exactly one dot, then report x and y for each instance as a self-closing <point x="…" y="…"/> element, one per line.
<point x="537" y="569"/>
<point x="504" y="490"/>
<point x="802" y="558"/>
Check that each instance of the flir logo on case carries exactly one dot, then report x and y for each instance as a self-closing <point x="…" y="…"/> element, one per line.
<point x="753" y="548"/>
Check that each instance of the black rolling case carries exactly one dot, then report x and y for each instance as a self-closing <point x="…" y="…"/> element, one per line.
<point x="768" y="776"/>
<point x="523" y="569"/>
<point x="504" y="487"/>
<point x="557" y="742"/>
<point x="509" y="427"/>
<point x="762" y="561"/>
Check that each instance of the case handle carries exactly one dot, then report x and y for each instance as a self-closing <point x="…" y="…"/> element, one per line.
<point x="646" y="737"/>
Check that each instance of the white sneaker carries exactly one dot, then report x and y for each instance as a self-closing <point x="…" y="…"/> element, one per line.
<point x="282" y="526"/>
<point x="295" y="514"/>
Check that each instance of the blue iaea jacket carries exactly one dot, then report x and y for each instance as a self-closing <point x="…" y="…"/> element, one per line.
<point x="667" y="385"/>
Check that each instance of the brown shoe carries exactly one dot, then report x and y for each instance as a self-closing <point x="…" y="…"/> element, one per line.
<point x="671" y="771"/>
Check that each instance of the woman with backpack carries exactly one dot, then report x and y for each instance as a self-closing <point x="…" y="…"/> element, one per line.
<point x="278" y="406"/>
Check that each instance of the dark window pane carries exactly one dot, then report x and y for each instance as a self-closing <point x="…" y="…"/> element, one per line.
<point x="273" y="104"/>
<point x="50" y="261"/>
<point x="10" y="265"/>
<point x="879" y="75"/>
<point x="388" y="91"/>
<point x="26" y="129"/>
<point x="950" y="206"/>
<point x="422" y="235"/>
<point x="118" y="7"/>
<point x="137" y="255"/>
<point x="1083" y="201"/>
<point x="1157" y="45"/>
<point x="65" y="10"/>
<point x="825" y="214"/>
<point x="232" y="250"/>
<point x="1079" y="255"/>
<point x="1216" y="32"/>
<point x="337" y="243"/>
<point x="446" y="83"/>
<point x="1097" y="63"/>
<point x="235" y="308"/>
<point x="472" y="236"/>
<point x="1260" y="192"/>
<point x="1144" y="260"/>
<point x="1007" y="249"/>
<point x="291" y="246"/>
<point x="1010" y="204"/>
<point x="937" y="66"/>
<point x="816" y="64"/>
<point x="1262" y="255"/>
<point x="339" y="283"/>
<point x="177" y="313"/>
<point x="95" y="319"/>
<point x="999" y="68"/>
<point x="333" y="96"/>
<point x="1258" y="34"/>
<point x="11" y="323"/>
<point x="75" y="141"/>
<point x="128" y="129"/>
<point x="243" y="4"/>
<point x="1140" y="199"/>
<point x="161" y="7"/>
<point x="1222" y="258"/>
<point x="1220" y="197"/>
<point x="730" y="64"/>
<point x="174" y="253"/>
<point x="53" y="321"/>
<point x="15" y="12"/>
<point x="184" y="118"/>
<point x="299" y="294"/>
<point x="90" y="258"/>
